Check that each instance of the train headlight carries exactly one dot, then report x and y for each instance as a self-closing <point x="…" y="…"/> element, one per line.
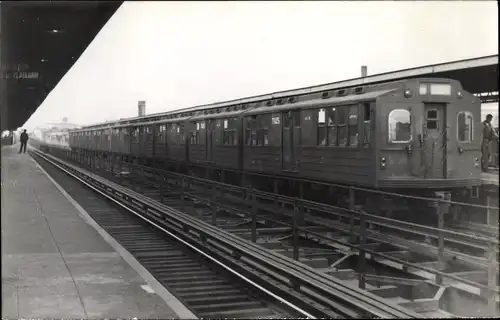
<point x="383" y="165"/>
<point x="460" y="94"/>
<point x="460" y="150"/>
<point x="407" y="93"/>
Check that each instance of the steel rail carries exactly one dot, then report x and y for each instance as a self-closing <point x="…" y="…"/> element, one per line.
<point x="386" y="222"/>
<point x="372" y="236"/>
<point x="170" y="234"/>
<point x="304" y="274"/>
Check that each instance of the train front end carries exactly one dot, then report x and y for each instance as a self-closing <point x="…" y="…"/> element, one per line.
<point x="432" y="139"/>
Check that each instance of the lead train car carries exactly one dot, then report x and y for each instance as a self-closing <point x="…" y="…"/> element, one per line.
<point x="410" y="134"/>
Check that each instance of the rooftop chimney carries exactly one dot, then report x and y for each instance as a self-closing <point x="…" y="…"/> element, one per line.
<point x="364" y="71"/>
<point x="142" y="108"/>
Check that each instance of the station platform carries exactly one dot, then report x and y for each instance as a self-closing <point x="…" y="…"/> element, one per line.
<point x="490" y="178"/>
<point x="58" y="263"/>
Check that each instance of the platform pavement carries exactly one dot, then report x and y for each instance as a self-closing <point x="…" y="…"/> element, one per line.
<point x="490" y="178"/>
<point x="56" y="262"/>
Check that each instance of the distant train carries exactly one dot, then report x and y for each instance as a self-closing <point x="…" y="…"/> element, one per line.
<point x="417" y="134"/>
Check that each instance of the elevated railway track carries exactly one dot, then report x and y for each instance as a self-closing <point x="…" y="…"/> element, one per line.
<point x="377" y="254"/>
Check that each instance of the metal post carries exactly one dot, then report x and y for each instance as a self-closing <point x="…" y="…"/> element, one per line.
<point x="120" y="169"/>
<point x="351" y="215"/>
<point x="362" y="253"/>
<point x="301" y="189"/>
<point x="255" y="208"/>
<point x="295" y="230"/>
<point x="162" y="191"/>
<point x="182" y="194"/>
<point x="441" y="208"/>
<point x="215" y="207"/>
<point x="492" y="279"/>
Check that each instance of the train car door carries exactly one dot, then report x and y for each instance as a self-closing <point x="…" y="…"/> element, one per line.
<point x="210" y="139"/>
<point x="435" y="147"/>
<point x="288" y="140"/>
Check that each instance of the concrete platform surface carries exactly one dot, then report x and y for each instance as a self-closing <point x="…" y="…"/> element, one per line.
<point x="55" y="261"/>
<point x="489" y="178"/>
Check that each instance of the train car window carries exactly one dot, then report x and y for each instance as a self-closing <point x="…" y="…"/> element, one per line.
<point x="465" y="121"/>
<point x="353" y="126"/>
<point x="261" y="136"/>
<point x="321" y="127"/>
<point x="249" y="122"/>
<point x="399" y="126"/>
<point x="366" y="124"/>
<point x="342" y="114"/>
<point x="296" y="118"/>
<point x="135" y="134"/>
<point x="229" y="137"/>
<point x="332" y="127"/>
<point x="432" y="120"/>
<point x="440" y="89"/>
<point x="422" y="89"/>
<point x="180" y="134"/>
<point x="287" y="120"/>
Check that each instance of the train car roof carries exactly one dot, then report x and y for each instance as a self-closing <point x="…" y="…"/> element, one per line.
<point x="163" y="117"/>
<point x="318" y="103"/>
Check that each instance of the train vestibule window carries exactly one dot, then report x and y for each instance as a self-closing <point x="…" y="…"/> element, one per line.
<point x="422" y="89"/>
<point x="399" y="126"/>
<point x="332" y="127"/>
<point x="321" y="116"/>
<point x="342" y="123"/>
<point x="366" y="124"/>
<point x="432" y="114"/>
<point x="321" y="134"/>
<point x="465" y="122"/>
<point x="432" y="120"/>
<point x="353" y="126"/>
<point x="296" y="118"/>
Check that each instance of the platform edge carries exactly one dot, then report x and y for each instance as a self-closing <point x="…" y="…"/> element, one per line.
<point x="171" y="301"/>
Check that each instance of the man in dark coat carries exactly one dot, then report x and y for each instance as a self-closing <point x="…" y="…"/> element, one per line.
<point x="488" y="135"/>
<point x="24" y="141"/>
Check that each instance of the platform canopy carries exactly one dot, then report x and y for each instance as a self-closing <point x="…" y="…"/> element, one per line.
<point x="40" y="42"/>
<point x="478" y="76"/>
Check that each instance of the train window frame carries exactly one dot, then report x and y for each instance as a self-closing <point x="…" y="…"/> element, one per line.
<point x="342" y="124"/>
<point x="256" y="131"/>
<point x="321" y="135"/>
<point x="423" y="89"/>
<point x="389" y="129"/>
<point x="296" y="115"/>
<point x="471" y="129"/>
<point x="436" y="89"/>
<point x="332" y="126"/>
<point x="229" y="132"/>
<point x="434" y="119"/>
<point x="162" y="128"/>
<point x="367" y="125"/>
<point x="180" y="134"/>
<point x="353" y="141"/>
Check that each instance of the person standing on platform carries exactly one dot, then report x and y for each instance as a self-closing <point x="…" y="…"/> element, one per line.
<point x="24" y="141"/>
<point x="488" y="135"/>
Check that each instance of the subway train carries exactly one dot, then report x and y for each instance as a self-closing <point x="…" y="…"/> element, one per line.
<point x="414" y="136"/>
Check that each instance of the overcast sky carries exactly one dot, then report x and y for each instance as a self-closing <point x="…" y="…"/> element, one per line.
<point x="180" y="54"/>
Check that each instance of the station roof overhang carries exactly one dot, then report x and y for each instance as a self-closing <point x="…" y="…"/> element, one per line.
<point x="478" y="76"/>
<point x="40" y="42"/>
